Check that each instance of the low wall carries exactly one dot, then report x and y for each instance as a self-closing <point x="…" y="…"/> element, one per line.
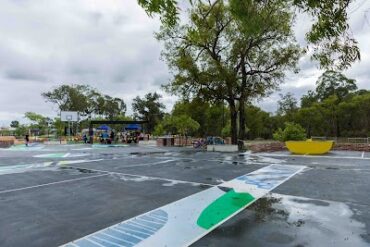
<point x="148" y="143"/>
<point x="280" y="146"/>
<point x="222" y="148"/>
<point x="7" y="141"/>
<point x="266" y="147"/>
<point x="362" y="147"/>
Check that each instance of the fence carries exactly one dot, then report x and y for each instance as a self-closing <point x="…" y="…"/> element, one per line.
<point x="360" y="140"/>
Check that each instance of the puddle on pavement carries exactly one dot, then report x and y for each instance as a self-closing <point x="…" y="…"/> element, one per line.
<point x="79" y="170"/>
<point x="165" y="182"/>
<point x="264" y="208"/>
<point x="13" y="169"/>
<point x="308" y="222"/>
<point x="280" y="220"/>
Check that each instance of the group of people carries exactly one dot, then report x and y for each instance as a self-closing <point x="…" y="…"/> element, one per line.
<point x="106" y="137"/>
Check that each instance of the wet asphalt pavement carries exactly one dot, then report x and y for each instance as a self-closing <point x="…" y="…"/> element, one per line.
<point x="50" y="195"/>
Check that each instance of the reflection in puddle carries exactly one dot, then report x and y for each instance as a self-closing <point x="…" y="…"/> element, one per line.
<point x="166" y="182"/>
<point x="280" y="220"/>
<point x="308" y="222"/>
<point x="80" y="170"/>
<point x="263" y="208"/>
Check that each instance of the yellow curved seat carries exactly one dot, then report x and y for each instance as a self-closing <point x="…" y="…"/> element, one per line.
<point x="309" y="147"/>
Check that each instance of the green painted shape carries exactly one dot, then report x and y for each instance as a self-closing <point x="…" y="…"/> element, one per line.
<point x="222" y="208"/>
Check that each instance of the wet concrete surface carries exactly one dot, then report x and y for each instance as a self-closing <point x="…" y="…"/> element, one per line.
<point x="328" y="204"/>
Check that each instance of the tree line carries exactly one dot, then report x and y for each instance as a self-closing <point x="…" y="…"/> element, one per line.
<point x="230" y="53"/>
<point x="336" y="108"/>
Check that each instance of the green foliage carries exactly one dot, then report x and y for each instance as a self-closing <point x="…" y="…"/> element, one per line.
<point x="159" y="130"/>
<point x="222" y="56"/>
<point x="226" y="131"/>
<point x="21" y="130"/>
<point x="334" y="83"/>
<point x="182" y="124"/>
<point x="330" y="37"/>
<point x="259" y="123"/>
<point x="35" y="118"/>
<point x="86" y="100"/>
<point x="210" y="116"/>
<point x="308" y="99"/>
<point x="287" y="104"/>
<point x="149" y="108"/>
<point x="292" y="132"/>
<point x="185" y="125"/>
<point x="14" y="124"/>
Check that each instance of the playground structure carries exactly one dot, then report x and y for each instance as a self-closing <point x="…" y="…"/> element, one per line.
<point x="107" y="122"/>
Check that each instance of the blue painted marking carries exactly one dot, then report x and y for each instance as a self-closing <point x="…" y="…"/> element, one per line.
<point x="146" y="223"/>
<point x="269" y="179"/>
<point x="127" y="233"/>
<point x="155" y="220"/>
<point x="135" y="228"/>
<point x="256" y="182"/>
<point x="142" y="227"/>
<point x="102" y="242"/>
<point x="85" y="243"/>
<point x="136" y="234"/>
<point x="113" y="240"/>
<point x="120" y="235"/>
<point x="160" y="213"/>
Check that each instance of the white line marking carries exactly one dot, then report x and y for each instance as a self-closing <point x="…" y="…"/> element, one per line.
<point x="311" y="156"/>
<point x="125" y="228"/>
<point x="92" y="241"/>
<point x="106" y="234"/>
<point x="151" y="164"/>
<point x="140" y="176"/>
<point x="127" y="233"/>
<point x="125" y="240"/>
<point x="104" y="240"/>
<point x="155" y="148"/>
<point x="52" y="183"/>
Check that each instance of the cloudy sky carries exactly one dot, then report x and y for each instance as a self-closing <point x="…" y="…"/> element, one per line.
<point x="109" y="45"/>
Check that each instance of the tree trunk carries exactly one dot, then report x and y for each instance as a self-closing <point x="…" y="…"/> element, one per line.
<point x="242" y="104"/>
<point x="234" y="126"/>
<point x="337" y="127"/>
<point x="242" y="120"/>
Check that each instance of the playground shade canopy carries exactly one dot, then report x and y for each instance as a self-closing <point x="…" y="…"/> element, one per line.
<point x="103" y="127"/>
<point x="132" y="127"/>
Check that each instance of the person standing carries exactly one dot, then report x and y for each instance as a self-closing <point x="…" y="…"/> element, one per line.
<point x="27" y="139"/>
<point x="112" y="136"/>
<point x="85" y="138"/>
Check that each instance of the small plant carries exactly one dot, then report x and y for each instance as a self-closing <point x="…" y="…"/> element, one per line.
<point x="292" y="132"/>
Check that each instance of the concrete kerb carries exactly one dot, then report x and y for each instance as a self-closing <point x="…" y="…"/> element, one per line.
<point x="222" y="148"/>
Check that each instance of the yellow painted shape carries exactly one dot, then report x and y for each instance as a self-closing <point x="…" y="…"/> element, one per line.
<point x="309" y="147"/>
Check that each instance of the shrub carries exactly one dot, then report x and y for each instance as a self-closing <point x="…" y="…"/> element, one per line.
<point x="292" y="132"/>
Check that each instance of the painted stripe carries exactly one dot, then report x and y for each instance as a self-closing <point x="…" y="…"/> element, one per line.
<point x="113" y="239"/>
<point x="312" y="156"/>
<point x="183" y="222"/>
<point x="135" y="228"/>
<point x="53" y="183"/>
<point x="132" y="233"/>
<point x="103" y="242"/>
<point x="148" y="177"/>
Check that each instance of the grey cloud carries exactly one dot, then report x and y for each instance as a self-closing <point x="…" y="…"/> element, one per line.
<point x="23" y="75"/>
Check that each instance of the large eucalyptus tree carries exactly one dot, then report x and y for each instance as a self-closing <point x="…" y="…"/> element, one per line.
<point x="221" y="55"/>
